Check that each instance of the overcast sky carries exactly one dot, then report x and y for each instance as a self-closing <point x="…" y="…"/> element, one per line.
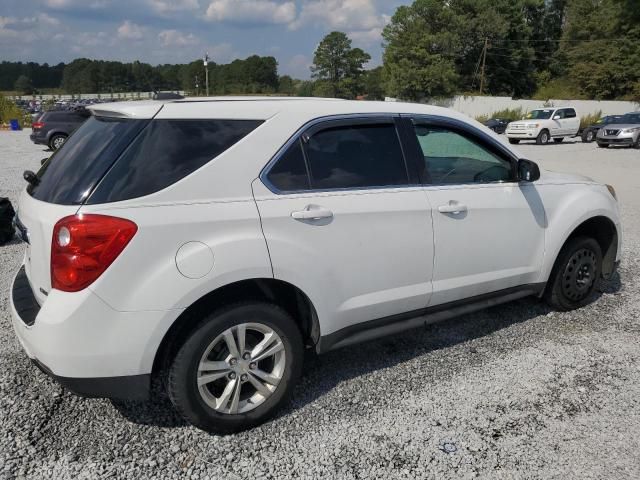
<point x="178" y="31"/>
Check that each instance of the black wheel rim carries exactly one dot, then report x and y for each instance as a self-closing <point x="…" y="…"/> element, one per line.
<point x="579" y="275"/>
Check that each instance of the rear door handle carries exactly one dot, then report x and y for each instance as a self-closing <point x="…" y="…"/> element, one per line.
<point x="452" y="207"/>
<point x="312" y="213"/>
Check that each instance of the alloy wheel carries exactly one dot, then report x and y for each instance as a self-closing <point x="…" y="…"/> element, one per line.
<point x="241" y="368"/>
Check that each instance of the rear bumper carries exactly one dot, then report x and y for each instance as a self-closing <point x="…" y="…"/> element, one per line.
<point x="38" y="138"/>
<point x="84" y="344"/>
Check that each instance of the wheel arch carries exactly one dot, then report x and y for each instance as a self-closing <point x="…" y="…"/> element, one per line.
<point x="602" y="229"/>
<point x="286" y="295"/>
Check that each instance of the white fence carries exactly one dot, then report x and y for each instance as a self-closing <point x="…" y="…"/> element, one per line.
<point x="474" y="106"/>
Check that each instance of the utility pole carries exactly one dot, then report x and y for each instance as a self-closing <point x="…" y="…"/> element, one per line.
<point x="484" y="62"/>
<point x="206" y="71"/>
<point x="197" y="87"/>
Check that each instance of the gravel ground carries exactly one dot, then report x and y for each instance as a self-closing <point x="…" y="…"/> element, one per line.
<point x="517" y="391"/>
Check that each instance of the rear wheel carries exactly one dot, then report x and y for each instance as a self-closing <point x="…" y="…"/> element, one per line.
<point x="543" y="138"/>
<point x="57" y="141"/>
<point x="236" y="368"/>
<point x="514" y="141"/>
<point x="575" y="275"/>
<point x="558" y="140"/>
<point x="637" y="143"/>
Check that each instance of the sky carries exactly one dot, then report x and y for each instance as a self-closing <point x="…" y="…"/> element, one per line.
<point x="179" y="31"/>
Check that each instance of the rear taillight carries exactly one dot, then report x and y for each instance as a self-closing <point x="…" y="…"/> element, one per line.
<point x="83" y="247"/>
<point x="37" y="125"/>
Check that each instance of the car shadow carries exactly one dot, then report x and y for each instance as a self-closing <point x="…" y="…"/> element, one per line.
<point x="322" y="373"/>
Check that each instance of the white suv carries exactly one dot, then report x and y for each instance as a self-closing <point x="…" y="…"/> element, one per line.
<point x="212" y="241"/>
<point x="545" y="124"/>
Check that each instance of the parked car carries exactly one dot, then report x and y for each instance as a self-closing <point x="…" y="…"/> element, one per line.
<point x="625" y="131"/>
<point x="498" y="125"/>
<point x="211" y="242"/>
<point x="52" y="128"/>
<point x="589" y="133"/>
<point x="545" y="124"/>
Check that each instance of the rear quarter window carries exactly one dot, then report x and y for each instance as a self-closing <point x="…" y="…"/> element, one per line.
<point x="167" y="151"/>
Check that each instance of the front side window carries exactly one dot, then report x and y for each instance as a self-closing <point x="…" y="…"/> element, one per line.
<point x="356" y="156"/>
<point x="453" y="158"/>
<point x="165" y="152"/>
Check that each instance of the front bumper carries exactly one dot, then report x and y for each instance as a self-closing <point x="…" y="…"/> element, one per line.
<point x="626" y="139"/>
<point x="84" y="344"/>
<point x="522" y="134"/>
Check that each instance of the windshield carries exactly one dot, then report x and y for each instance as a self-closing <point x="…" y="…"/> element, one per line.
<point x="630" y="118"/>
<point x="539" y="114"/>
<point x="71" y="173"/>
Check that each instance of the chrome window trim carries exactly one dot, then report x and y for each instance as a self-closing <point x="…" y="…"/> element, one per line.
<point x="313" y="125"/>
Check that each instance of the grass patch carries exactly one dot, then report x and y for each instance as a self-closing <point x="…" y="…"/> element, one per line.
<point x="510" y="114"/>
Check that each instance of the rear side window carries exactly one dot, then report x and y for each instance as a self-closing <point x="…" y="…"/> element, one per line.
<point x="71" y="173"/>
<point x="356" y="156"/>
<point x="165" y="152"/>
<point x="569" y="113"/>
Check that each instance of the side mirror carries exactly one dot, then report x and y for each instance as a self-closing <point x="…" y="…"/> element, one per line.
<point x="528" y="171"/>
<point x="557" y="117"/>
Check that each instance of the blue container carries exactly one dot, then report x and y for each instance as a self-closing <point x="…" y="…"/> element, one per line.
<point x="15" y="124"/>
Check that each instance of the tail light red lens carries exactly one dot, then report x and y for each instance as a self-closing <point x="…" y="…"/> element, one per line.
<point x="83" y="247"/>
<point x="37" y="125"/>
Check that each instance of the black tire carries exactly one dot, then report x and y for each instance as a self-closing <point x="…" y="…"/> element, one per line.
<point x="56" y="141"/>
<point x="575" y="275"/>
<point x="558" y="140"/>
<point x="543" y="137"/>
<point x="182" y="376"/>
<point x="603" y="145"/>
<point x="588" y="135"/>
<point x="514" y="141"/>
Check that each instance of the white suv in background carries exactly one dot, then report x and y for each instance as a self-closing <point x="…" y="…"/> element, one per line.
<point x="545" y="124"/>
<point x="212" y="241"/>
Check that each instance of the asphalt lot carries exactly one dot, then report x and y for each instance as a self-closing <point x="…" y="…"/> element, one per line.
<point x="517" y="391"/>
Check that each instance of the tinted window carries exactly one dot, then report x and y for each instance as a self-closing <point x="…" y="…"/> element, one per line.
<point x="165" y="152"/>
<point x="72" y="172"/>
<point x="452" y="158"/>
<point x="569" y="113"/>
<point x="355" y="157"/>
<point x="290" y="172"/>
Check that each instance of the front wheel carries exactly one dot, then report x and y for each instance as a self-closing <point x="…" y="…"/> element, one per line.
<point x="543" y="138"/>
<point x="575" y="275"/>
<point x="236" y="368"/>
<point x="514" y="141"/>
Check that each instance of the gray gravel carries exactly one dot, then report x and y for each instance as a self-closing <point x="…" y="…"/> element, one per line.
<point x="517" y="391"/>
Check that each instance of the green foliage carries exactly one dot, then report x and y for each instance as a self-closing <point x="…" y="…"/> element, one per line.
<point x="600" y="45"/>
<point x="9" y="111"/>
<point x="338" y="67"/>
<point x="559" y="88"/>
<point x="23" y="85"/>
<point x="373" y="83"/>
<point x="590" y="119"/>
<point x="510" y="114"/>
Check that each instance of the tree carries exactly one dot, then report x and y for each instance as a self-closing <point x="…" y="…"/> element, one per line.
<point x="23" y="85"/>
<point x="337" y="66"/>
<point x="373" y="81"/>
<point x="601" y="51"/>
<point x="421" y="43"/>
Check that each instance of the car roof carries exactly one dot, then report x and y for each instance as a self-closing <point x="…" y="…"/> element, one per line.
<point x="260" y="108"/>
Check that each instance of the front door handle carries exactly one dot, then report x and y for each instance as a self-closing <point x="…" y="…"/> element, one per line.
<point x="312" y="212"/>
<point x="452" y="207"/>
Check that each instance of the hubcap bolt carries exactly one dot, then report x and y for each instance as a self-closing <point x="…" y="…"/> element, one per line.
<point x="252" y="365"/>
<point x="232" y="375"/>
<point x="246" y="356"/>
<point x="233" y="361"/>
<point x="244" y="377"/>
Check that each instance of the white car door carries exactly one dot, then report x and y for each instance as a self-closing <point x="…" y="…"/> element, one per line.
<point x="344" y="222"/>
<point x="571" y="122"/>
<point x="558" y="127"/>
<point x="488" y="228"/>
